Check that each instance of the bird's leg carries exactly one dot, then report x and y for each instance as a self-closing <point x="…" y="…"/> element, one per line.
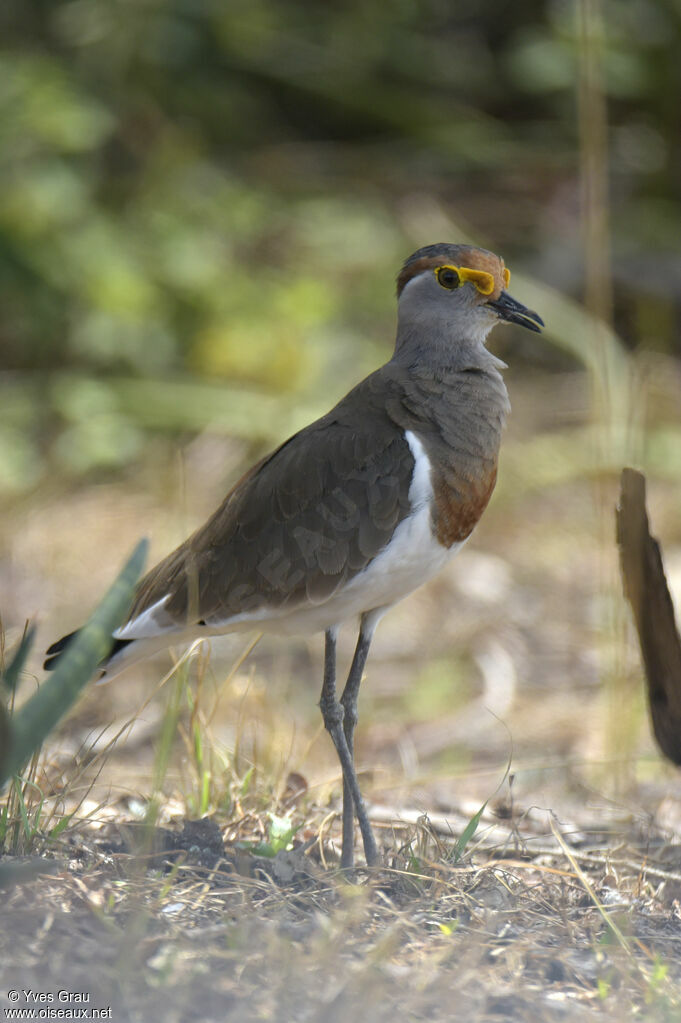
<point x="332" y="715"/>
<point x="349" y="704"/>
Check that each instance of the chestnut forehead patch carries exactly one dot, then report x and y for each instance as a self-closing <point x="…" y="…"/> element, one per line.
<point x="454" y="255"/>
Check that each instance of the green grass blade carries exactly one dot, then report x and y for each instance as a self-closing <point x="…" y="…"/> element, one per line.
<point x="30" y="821"/>
<point x="10" y="677"/>
<point x="60" y="826"/>
<point x="5" y="733"/>
<point x="36" y="719"/>
<point x="205" y="792"/>
<point x="467" y="834"/>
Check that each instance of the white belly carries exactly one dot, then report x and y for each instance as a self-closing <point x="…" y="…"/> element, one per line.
<point x="412" y="557"/>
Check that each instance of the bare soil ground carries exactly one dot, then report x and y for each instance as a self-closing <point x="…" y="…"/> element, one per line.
<point x="542" y="925"/>
<point x="566" y="903"/>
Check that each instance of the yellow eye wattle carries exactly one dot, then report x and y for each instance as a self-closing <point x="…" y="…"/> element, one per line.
<point x="482" y="280"/>
<point x="507" y="277"/>
<point x="452" y="277"/>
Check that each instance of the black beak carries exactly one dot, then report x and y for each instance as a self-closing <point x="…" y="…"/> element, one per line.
<point x="511" y="311"/>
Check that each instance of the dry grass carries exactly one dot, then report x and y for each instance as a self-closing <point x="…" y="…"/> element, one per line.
<point x="161" y="917"/>
<point x="534" y="924"/>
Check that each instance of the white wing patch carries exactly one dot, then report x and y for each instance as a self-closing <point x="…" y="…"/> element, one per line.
<point x="151" y="622"/>
<point x="420" y="489"/>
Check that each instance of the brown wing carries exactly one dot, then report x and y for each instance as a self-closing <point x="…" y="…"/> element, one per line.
<point x="297" y="526"/>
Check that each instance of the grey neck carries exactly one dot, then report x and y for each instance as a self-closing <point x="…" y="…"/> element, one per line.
<point x="441" y="348"/>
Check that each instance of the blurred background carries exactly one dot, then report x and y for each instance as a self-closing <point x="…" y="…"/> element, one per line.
<point x="203" y="207"/>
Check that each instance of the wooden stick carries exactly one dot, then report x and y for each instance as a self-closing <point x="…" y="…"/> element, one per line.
<point x="645" y="587"/>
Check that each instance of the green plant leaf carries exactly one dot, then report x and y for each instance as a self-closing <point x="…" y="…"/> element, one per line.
<point x="467" y="833"/>
<point x="36" y="719"/>
<point x="5" y="733"/>
<point x="61" y="825"/>
<point x="280" y="834"/>
<point x="10" y="676"/>
<point x="246" y="783"/>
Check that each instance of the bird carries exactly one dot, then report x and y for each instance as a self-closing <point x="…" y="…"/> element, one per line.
<point x="358" y="509"/>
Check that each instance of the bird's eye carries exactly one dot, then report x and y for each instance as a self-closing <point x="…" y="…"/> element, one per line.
<point x="447" y="277"/>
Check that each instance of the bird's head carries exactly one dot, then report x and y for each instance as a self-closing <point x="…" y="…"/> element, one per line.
<point x="461" y="286"/>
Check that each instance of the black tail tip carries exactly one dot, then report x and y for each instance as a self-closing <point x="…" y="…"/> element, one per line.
<point x="55" y="652"/>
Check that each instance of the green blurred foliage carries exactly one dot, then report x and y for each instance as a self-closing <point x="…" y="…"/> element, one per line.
<point x="218" y="192"/>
